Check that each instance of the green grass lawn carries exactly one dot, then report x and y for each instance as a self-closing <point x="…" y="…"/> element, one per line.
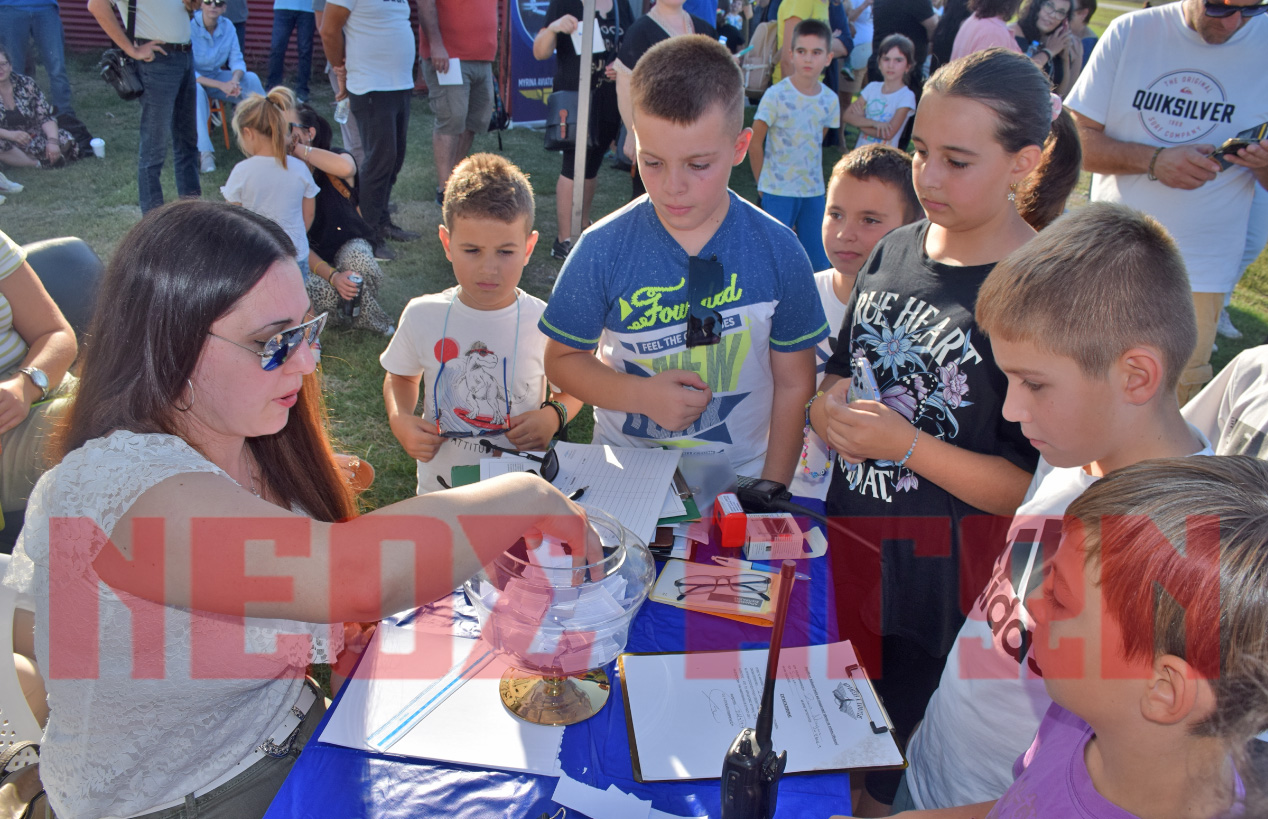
<point x="96" y="200"/>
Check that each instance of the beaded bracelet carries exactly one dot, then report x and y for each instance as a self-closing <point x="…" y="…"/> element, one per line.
<point x="805" y="445"/>
<point x="911" y="448"/>
<point x="813" y="399"/>
<point x="560" y="410"/>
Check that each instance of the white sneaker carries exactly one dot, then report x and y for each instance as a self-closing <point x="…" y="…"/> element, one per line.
<point x="9" y="186"/>
<point x="208" y="163"/>
<point x="1225" y="326"/>
<point x="1" y="200"/>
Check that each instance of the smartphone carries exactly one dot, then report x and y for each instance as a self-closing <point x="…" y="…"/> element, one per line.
<point x="1242" y="140"/>
<point x="862" y="381"/>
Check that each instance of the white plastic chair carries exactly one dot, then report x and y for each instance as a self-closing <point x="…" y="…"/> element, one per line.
<point x="17" y="723"/>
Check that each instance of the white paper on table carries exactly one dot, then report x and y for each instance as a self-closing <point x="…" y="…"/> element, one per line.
<point x="471" y="727"/>
<point x="613" y="803"/>
<point x="451" y="75"/>
<point x="685" y="722"/>
<point x="599" y="46"/>
<point x="673" y="506"/>
<point x="492" y="467"/>
<point x="629" y="483"/>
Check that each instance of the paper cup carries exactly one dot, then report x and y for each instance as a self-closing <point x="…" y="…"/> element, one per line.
<point x="98" y="147"/>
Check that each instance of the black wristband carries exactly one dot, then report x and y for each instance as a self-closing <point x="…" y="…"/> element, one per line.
<point x="560" y="410"/>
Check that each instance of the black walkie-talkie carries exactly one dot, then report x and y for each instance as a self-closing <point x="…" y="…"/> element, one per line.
<point x="751" y="770"/>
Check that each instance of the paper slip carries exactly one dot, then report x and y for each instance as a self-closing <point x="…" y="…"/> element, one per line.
<point x="613" y="803"/>
<point x="599" y="47"/>
<point x="470" y="727"/>
<point x="686" y="709"/>
<point x="492" y="467"/>
<point x="451" y="75"/>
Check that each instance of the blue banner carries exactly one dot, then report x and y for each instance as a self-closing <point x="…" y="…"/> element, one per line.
<point x="531" y="79"/>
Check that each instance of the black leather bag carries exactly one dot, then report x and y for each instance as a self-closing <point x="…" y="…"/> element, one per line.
<point x="21" y="792"/>
<point x="561" y="120"/>
<point x="118" y="69"/>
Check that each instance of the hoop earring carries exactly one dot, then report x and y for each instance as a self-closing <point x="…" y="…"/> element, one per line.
<point x="1012" y="192"/>
<point x="191" y="398"/>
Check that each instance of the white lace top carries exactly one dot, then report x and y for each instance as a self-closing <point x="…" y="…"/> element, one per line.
<point x="129" y="733"/>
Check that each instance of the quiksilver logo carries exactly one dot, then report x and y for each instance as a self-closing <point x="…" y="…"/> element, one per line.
<point x="1183" y="106"/>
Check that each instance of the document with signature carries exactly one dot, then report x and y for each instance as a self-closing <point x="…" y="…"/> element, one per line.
<point x="684" y="711"/>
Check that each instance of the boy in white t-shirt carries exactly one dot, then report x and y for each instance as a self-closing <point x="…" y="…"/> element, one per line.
<point x="1092" y="323"/>
<point x="473" y="353"/>
<point x="869" y="194"/>
<point x="786" y="152"/>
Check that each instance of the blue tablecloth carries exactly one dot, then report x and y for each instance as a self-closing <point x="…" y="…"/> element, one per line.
<point x="330" y="780"/>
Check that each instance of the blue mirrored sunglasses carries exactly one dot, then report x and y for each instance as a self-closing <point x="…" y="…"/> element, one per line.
<point x="275" y="350"/>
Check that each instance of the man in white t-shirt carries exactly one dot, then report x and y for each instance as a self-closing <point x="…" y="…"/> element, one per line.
<point x="1164" y="87"/>
<point x="371" y="49"/>
<point x="162" y="51"/>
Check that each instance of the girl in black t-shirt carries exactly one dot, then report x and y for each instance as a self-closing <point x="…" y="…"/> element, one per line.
<point x="934" y="456"/>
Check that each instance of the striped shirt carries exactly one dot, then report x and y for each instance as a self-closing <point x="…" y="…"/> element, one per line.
<point x="12" y="347"/>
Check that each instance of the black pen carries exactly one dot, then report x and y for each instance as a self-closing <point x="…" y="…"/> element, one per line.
<point x="577" y="493"/>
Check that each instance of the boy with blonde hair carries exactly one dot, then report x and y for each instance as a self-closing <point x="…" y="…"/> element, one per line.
<point x="1091" y="322"/>
<point x="701" y="308"/>
<point x="473" y="352"/>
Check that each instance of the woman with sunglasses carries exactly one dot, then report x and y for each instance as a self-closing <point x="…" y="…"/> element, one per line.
<point x="339" y="240"/>
<point x="1048" y="22"/>
<point x="197" y="482"/>
<point x="219" y="71"/>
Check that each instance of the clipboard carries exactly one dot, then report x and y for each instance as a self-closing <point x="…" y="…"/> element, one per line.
<point x="692" y="746"/>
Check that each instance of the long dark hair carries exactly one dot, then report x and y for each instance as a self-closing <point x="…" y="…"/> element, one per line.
<point x="309" y="118"/>
<point x="1020" y="95"/>
<point x="1028" y="19"/>
<point x="176" y="272"/>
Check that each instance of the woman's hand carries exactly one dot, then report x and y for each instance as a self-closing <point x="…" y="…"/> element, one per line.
<point x="564" y="25"/>
<point x="20" y="137"/>
<point x="53" y="151"/>
<point x="343" y="284"/>
<point x="532" y="430"/>
<point x="1057" y="40"/>
<point x="14" y="405"/>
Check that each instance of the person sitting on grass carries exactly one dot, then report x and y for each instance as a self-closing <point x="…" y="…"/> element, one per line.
<point x="29" y="136"/>
<point x="473" y="353"/>
<point x="339" y="240"/>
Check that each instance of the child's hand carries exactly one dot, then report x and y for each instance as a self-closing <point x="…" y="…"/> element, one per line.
<point x="417" y="436"/>
<point x="676" y="398"/>
<point x="532" y="430"/>
<point x="866" y="429"/>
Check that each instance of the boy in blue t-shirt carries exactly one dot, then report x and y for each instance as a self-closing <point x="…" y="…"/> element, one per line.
<point x="703" y="309"/>
<point x="788" y="130"/>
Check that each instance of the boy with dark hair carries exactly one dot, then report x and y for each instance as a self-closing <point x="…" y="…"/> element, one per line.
<point x="870" y="193"/>
<point x="1091" y="380"/>
<point x="788" y="129"/>
<point x="701" y="308"/>
<point x="474" y="349"/>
